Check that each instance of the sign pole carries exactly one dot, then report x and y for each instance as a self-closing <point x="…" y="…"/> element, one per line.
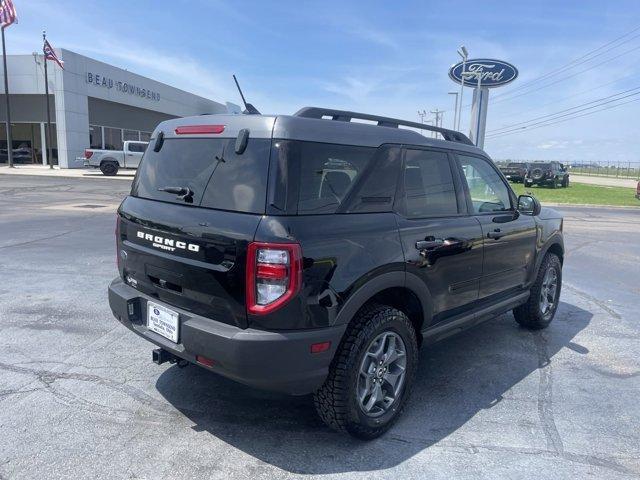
<point x="479" y="109"/>
<point x="46" y="94"/>
<point x="6" y="95"/>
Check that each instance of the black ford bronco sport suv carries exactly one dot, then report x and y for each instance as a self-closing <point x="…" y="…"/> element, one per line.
<point x="316" y="254"/>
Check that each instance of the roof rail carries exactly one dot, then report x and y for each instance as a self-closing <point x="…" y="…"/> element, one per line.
<point x="346" y="116"/>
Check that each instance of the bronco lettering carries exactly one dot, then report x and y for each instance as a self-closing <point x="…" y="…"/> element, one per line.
<point x="167" y="243"/>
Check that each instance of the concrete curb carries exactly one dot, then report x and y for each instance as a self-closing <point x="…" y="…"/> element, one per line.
<point x="590" y="205"/>
<point x="57" y="173"/>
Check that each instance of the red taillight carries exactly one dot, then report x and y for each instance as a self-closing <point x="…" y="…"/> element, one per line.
<point x="274" y="275"/>
<point x="199" y="129"/>
<point x="88" y="154"/>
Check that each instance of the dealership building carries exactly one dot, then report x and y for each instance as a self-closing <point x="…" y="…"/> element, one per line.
<point x="93" y="105"/>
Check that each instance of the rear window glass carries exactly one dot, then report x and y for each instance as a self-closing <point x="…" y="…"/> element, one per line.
<point x="210" y="169"/>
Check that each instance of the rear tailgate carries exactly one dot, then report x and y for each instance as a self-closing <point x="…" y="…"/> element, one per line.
<point x="195" y="206"/>
<point x="518" y="171"/>
<point x="189" y="257"/>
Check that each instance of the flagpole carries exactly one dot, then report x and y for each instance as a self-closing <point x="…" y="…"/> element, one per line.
<point x="6" y="95"/>
<point x="46" y="92"/>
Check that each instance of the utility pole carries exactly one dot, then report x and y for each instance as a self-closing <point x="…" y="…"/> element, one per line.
<point x="422" y="114"/>
<point x="439" y="115"/>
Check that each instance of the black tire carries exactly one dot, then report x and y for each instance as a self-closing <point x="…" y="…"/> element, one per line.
<point x="528" y="184"/>
<point x="537" y="174"/>
<point x="109" y="168"/>
<point x="554" y="182"/>
<point x="336" y="401"/>
<point x="530" y="315"/>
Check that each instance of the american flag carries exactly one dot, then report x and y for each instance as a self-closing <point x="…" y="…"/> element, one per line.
<point x="7" y="13"/>
<point x="50" y="54"/>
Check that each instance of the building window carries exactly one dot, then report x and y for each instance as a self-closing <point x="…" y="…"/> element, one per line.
<point x="113" y="138"/>
<point x="95" y="136"/>
<point x="130" y="135"/>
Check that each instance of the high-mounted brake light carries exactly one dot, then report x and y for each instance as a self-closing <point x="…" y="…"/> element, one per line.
<point x="274" y="275"/>
<point x="88" y="154"/>
<point x="199" y="129"/>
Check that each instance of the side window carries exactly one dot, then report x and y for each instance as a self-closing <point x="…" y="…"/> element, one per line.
<point x="137" y="147"/>
<point x="487" y="190"/>
<point x="428" y="184"/>
<point x="327" y="173"/>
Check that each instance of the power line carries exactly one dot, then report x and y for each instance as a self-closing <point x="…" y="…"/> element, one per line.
<point x="578" y="61"/>
<point x="566" y="78"/>
<point x="527" y="129"/>
<point x="506" y="127"/>
<point x="567" y="97"/>
<point x="574" y="63"/>
<point x="569" y="114"/>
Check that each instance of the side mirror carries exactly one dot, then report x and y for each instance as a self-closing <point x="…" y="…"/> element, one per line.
<point x="241" y="141"/>
<point x="529" y="205"/>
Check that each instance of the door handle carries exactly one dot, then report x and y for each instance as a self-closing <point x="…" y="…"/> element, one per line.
<point x="496" y="234"/>
<point x="436" y="243"/>
<point x="429" y="244"/>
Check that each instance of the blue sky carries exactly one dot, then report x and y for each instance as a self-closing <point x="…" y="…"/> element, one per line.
<point x="384" y="57"/>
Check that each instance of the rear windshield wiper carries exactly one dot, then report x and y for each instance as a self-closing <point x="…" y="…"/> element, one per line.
<point x="183" y="193"/>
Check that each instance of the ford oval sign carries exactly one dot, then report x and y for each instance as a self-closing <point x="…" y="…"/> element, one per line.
<point x="492" y="73"/>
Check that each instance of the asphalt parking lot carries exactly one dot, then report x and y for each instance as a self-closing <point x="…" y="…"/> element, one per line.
<point x="80" y="398"/>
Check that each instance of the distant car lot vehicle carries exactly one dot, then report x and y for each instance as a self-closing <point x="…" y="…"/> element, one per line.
<point x="552" y="174"/>
<point x="110" y="161"/>
<point x="23" y="154"/>
<point x="516" y="171"/>
<point x="312" y="254"/>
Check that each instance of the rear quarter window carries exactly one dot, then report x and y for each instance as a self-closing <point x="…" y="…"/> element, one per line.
<point x="315" y="178"/>
<point x="210" y="168"/>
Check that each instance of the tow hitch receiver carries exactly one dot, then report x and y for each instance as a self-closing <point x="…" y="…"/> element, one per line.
<point x="161" y="356"/>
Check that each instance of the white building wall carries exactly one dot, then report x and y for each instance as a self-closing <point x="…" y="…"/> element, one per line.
<point x="85" y="77"/>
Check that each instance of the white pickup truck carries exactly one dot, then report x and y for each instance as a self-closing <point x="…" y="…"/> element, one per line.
<point x="110" y="161"/>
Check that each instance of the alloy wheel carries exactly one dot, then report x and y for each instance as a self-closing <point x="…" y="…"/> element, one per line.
<point x="382" y="374"/>
<point x="548" y="291"/>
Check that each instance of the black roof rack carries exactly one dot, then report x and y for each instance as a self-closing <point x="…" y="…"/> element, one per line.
<point x="346" y="116"/>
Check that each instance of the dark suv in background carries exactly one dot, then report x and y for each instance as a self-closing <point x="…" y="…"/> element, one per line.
<point x="515" y="171"/>
<point x="552" y="174"/>
<point x="313" y="254"/>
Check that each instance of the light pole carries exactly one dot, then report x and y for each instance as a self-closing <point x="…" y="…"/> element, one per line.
<point x="422" y="114"/>
<point x="462" y="51"/>
<point x="455" y="109"/>
<point x="439" y="114"/>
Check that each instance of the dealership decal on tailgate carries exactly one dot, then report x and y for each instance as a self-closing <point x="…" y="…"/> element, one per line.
<point x="162" y="321"/>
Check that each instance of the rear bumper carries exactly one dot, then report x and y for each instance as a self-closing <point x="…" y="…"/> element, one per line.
<point x="539" y="181"/>
<point x="271" y="360"/>
<point x="515" y="176"/>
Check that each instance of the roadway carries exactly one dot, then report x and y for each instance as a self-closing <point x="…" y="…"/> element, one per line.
<point x="80" y="398"/>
